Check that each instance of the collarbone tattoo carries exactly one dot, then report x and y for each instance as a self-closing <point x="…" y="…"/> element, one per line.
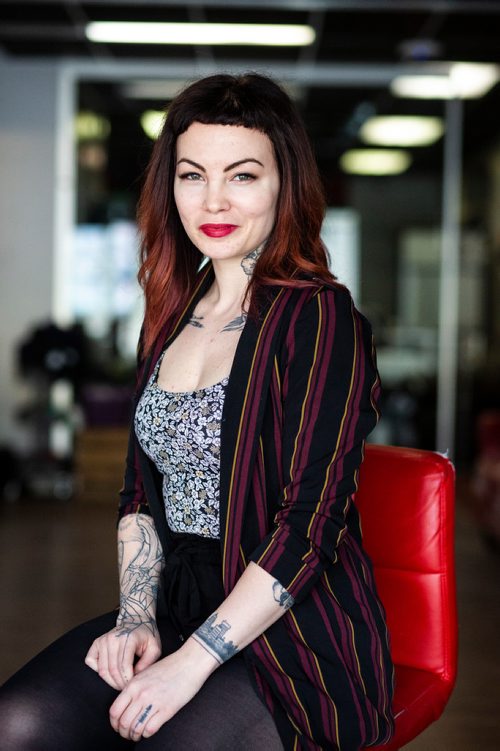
<point x="235" y="324"/>
<point x="196" y="321"/>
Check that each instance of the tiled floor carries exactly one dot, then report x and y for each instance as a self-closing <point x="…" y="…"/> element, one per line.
<point x="57" y="568"/>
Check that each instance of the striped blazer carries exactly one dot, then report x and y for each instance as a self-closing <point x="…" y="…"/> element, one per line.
<point x="301" y="399"/>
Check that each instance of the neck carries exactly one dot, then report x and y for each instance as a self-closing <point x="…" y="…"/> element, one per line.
<point x="231" y="280"/>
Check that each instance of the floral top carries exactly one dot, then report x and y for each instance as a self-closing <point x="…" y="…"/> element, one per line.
<point x="180" y="432"/>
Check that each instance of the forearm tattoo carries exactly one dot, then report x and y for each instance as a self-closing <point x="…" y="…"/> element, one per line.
<point x="281" y="596"/>
<point x="211" y="636"/>
<point x="139" y="579"/>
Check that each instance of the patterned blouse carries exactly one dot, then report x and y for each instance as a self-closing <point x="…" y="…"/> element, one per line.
<point x="180" y="432"/>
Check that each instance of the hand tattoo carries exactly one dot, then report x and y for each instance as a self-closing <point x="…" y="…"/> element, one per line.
<point x="138" y="582"/>
<point x="211" y="637"/>
<point x="249" y="261"/>
<point x="281" y="596"/>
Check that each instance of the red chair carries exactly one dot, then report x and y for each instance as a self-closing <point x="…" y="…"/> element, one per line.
<point x="406" y="504"/>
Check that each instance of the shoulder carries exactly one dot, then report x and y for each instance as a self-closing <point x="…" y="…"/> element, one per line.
<point x="324" y="312"/>
<point x="320" y="298"/>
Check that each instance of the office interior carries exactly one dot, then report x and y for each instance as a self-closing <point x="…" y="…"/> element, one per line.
<point x="412" y="227"/>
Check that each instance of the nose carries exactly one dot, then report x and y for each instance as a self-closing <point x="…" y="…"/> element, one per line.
<point x="215" y="198"/>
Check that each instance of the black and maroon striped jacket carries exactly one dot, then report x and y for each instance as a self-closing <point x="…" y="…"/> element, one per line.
<point x="301" y="399"/>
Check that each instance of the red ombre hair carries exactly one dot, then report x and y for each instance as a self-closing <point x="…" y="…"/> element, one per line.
<point x="169" y="260"/>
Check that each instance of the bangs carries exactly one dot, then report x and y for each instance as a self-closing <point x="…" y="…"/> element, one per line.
<point x="248" y="101"/>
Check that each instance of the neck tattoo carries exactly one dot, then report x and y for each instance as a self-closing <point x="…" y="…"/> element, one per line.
<point x="237" y="323"/>
<point x="249" y="261"/>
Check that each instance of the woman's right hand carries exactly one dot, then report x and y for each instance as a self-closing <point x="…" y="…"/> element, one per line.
<point x="113" y="654"/>
<point x="134" y="644"/>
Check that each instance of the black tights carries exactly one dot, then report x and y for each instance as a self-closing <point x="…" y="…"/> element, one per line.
<point x="57" y="703"/>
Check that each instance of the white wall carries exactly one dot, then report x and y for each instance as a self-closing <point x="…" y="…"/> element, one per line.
<point x="28" y="108"/>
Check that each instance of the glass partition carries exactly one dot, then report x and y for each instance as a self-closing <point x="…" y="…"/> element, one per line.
<point x="383" y="233"/>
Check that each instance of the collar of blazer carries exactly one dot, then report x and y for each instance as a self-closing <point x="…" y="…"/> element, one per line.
<point x="242" y="415"/>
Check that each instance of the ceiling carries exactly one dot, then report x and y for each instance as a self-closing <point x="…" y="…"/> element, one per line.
<point x="358" y="38"/>
<point x="352" y="30"/>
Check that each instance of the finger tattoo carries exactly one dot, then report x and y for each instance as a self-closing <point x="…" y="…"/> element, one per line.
<point x="144" y="715"/>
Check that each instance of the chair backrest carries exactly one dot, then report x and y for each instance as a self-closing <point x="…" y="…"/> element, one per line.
<point x="406" y="503"/>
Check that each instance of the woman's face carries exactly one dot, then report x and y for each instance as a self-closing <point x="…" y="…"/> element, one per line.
<point x="226" y="188"/>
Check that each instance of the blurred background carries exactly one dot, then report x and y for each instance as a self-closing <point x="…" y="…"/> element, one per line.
<point x="401" y="101"/>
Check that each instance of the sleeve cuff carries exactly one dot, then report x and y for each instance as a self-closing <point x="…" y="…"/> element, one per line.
<point x="297" y="571"/>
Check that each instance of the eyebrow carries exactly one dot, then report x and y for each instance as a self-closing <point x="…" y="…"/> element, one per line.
<point x="226" y="169"/>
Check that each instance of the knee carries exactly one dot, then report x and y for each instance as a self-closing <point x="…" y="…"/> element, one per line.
<point x="21" y="723"/>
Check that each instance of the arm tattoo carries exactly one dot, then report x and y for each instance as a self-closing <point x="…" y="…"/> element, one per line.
<point x="236" y="324"/>
<point x="281" y="596"/>
<point x="196" y="321"/>
<point x="139" y="580"/>
<point x="249" y="261"/>
<point x="211" y="636"/>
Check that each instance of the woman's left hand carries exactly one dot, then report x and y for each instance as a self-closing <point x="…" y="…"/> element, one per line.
<point x="157" y="693"/>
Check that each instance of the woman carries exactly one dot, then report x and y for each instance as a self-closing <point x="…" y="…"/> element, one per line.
<point x="248" y="614"/>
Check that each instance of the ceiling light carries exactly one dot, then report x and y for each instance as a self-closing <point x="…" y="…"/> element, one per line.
<point x="377" y="162"/>
<point x="161" y="89"/>
<point x="164" y="89"/>
<point x="152" y="122"/>
<point x="470" y="80"/>
<point x="275" y="35"/>
<point x="421" y="87"/>
<point x="401" y="130"/>
<point x="464" y="80"/>
<point x="90" y="126"/>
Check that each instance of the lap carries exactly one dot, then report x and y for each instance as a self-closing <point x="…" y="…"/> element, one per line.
<point x="224" y="715"/>
<point x="55" y="696"/>
<point x="63" y="704"/>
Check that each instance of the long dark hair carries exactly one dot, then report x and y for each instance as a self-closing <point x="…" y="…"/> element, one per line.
<point x="169" y="260"/>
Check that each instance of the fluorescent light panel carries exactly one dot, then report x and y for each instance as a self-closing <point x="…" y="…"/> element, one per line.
<point x="376" y="162"/>
<point x="401" y="130"/>
<point x="165" y="89"/>
<point x="161" y="89"/>
<point x="421" y="87"/>
<point x="274" y="35"/>
<point x="89" y="126"/>
<point x="152" y="123"/>
<point x="464" y="81"/>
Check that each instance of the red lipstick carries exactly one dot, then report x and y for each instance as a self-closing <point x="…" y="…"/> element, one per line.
<point x="218" y="230"/>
